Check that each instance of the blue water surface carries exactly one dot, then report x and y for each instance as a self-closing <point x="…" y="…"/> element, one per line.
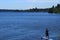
<point x="28" y="25"/>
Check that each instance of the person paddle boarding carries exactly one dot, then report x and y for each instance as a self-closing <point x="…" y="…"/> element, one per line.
<point x="47" y="34"/>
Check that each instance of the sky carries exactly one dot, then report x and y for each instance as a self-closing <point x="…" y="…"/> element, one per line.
<point x="26" y="4"/>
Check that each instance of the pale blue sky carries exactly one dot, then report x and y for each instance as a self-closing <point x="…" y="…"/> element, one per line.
<point x="25" y="4"/>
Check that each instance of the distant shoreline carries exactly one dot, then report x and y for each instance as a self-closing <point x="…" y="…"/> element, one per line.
<point x="27" y="10"/>
<point x="53" y="9"/>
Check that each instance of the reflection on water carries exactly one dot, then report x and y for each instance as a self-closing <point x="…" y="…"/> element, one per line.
<point x="28" y="26"/>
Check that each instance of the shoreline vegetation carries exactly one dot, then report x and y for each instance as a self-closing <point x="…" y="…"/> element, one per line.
<point x="27" y="10"/>
<point x="53" y="9"/>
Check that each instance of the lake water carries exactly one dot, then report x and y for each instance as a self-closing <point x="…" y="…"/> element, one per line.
<point x="28" y="25"/>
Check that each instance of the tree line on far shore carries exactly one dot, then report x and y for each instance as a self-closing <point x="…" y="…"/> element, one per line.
<point x="54" y="9"/>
